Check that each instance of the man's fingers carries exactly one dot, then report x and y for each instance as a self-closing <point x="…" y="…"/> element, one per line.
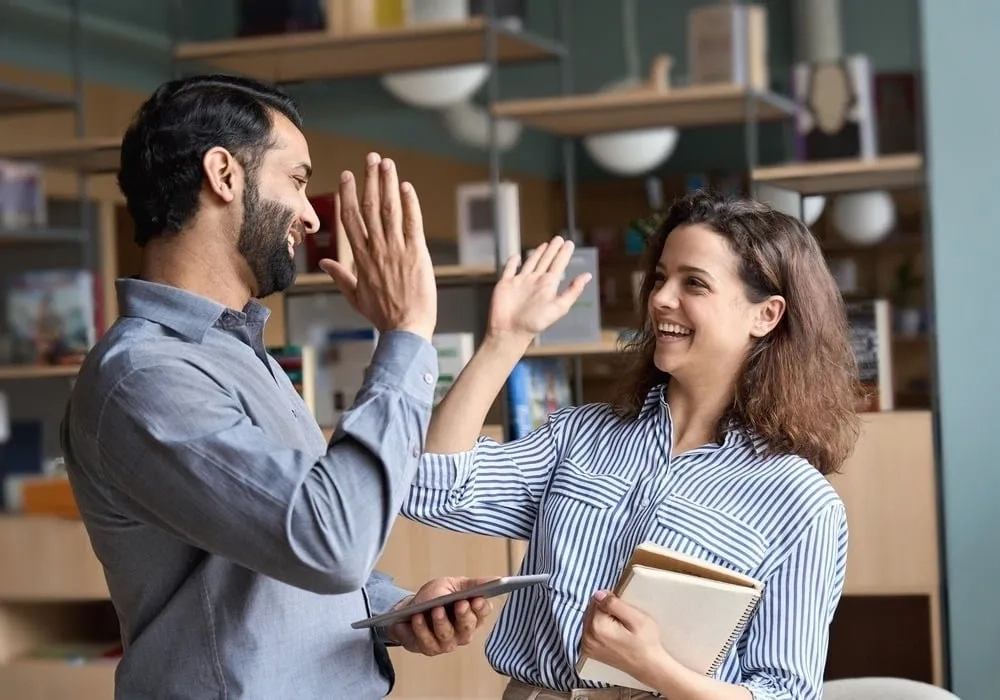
<point x="371" y="202"/>
<point x="413" y="219"/>
<point x="425" y="637"/>
<point x="466" y="621"/>
<point x="349" y="215"/>
<point x="444" y="631"/>
<point x="345" y="280"/>
<point x="392" y="208"/>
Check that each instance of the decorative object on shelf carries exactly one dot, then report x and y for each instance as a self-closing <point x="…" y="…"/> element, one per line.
<point x="477" y="235"/>
<point x="437" y="88"/>
<point x="864" y="218"/>
<point x="267" y="17"/>
<point x="871" y="337"/>
<point x="22" y="195"/>
<point x="469" y="124"/>
<point x="582" y="324"/>
<point x="907" y="309"/>
<point x="635" y="151"/>
<point x="834" y="92"/>
<point x="727" y="43"/>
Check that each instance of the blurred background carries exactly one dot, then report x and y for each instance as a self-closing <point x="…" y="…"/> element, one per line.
<point x="517" y="120"/>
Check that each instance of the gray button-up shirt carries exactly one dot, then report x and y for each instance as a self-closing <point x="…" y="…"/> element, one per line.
<point x="238" y="546"/>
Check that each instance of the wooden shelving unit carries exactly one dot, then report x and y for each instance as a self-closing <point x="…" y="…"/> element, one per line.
<point x="90" y="156"/>
<point x="691" y="106"/>
<point x="37" y="371"/>
<point x="312" y="282"/>
<point x="893" y="572"/>
<point x="322" y="55"/>
<point x="608" y="344"/>
<point x="20" y="99"/>
<point x="20" y="237"/>
<point x="833" y="176"/>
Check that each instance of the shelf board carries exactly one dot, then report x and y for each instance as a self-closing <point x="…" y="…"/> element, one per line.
<point x="37" y="371"/>
<point x="689" y="106"/>
<point x="42" y="236"/>
<point x="321" y="55"/>
<point x="855" y="174"/>
<point x="21" y="99"/>
<point x="607" y="345"/>
<point x="312" y="282"/>
<point x="94" y="155"/>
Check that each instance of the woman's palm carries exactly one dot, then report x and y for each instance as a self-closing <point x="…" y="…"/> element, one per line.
<point x="528" y="300"/>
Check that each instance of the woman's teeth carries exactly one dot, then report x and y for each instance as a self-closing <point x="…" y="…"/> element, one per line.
<point x="672" y="329"/>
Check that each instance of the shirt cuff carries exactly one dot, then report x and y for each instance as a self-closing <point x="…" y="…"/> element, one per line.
<point x="408" y="361"/>
<point x="444" y="472"/>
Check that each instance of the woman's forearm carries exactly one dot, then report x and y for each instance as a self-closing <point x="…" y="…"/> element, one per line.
<point x="459" y="418"/>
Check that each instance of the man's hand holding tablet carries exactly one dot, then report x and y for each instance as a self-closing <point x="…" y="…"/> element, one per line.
<point x="445" y="613"/>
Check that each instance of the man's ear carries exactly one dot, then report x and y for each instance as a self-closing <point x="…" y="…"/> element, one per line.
<point x="769" y="313"/>
<point x="222" y="173"/>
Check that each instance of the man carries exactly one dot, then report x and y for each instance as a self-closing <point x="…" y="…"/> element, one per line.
<point x="238" y="546"/>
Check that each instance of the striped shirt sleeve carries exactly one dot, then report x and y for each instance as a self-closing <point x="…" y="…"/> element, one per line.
<point x="786" y="647"/>
<point x="493" y="489"/>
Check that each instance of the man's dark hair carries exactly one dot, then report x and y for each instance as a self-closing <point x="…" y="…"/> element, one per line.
<point x="161" y="155"/>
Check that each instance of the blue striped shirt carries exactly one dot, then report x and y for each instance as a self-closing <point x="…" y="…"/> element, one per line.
<point x="587" y="487"/>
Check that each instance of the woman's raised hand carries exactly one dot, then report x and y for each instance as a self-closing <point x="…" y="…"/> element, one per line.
<point x="526" y="301"/>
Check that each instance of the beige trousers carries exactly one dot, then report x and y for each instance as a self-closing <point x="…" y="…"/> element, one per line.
<point x="519" y="691"/>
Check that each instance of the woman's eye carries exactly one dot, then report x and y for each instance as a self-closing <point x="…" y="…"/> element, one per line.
<point x="695" y="282"/>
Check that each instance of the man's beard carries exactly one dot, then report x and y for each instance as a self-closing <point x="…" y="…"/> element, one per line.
<point x="263" y="241"/>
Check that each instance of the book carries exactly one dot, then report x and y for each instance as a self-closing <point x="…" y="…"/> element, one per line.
<point x="700" y="607"/>
<point x="870" y="325"/>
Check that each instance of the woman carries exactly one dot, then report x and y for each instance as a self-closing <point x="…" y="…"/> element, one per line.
<point x="740" y="398"/>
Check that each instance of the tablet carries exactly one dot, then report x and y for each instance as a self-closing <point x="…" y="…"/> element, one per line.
<point x="499" y="586"/>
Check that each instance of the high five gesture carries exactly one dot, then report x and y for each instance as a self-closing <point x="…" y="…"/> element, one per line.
<point x="393" y="286"/>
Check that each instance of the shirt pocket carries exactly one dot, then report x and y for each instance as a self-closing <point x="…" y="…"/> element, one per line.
<point x="710" y="534"/>
<point x="583" y="486"/>
<point x="579" y="521"/>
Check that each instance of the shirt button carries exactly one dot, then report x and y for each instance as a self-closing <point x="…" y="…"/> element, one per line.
<point x="415" y="451"/>
<point x="645" y="501"/>
<point x="428" y="378"/>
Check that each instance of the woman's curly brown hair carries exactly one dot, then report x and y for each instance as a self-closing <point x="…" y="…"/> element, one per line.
<point x="799" y="384"/>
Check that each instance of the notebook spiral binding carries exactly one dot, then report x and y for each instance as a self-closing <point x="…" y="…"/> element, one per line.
<point x="737" y="631"/>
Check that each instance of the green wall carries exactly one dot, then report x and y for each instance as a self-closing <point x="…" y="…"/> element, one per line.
<point x="127" y="42"/>
<point x="960" y="55"/>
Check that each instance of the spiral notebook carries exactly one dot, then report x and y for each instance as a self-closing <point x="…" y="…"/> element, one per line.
<point x="701" y="608"/>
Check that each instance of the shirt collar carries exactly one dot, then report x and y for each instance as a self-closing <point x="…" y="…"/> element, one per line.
<point x="186" y="313"/>
<point x="734" y="434"/>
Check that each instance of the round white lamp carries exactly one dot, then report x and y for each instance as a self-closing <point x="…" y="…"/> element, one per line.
<point x="632" y="152"/>
<point x="469" y="124"/>
<point x="787" y="201"/>
<point x="635" y="151"/>
<point x="864" y="218"/>
<point x="436" y="88"/>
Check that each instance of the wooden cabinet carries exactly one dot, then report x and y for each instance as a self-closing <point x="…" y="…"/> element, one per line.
<point x="889" y="622"/>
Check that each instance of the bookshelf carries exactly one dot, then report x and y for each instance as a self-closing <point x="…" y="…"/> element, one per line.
<point x="323" y="55"/>
<point x="847" y="175"/>
<point x="689" y="106"/>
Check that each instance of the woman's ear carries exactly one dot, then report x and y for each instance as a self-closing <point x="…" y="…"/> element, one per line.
<point x="769" y="313"/>
<point x="221" y="173"/>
